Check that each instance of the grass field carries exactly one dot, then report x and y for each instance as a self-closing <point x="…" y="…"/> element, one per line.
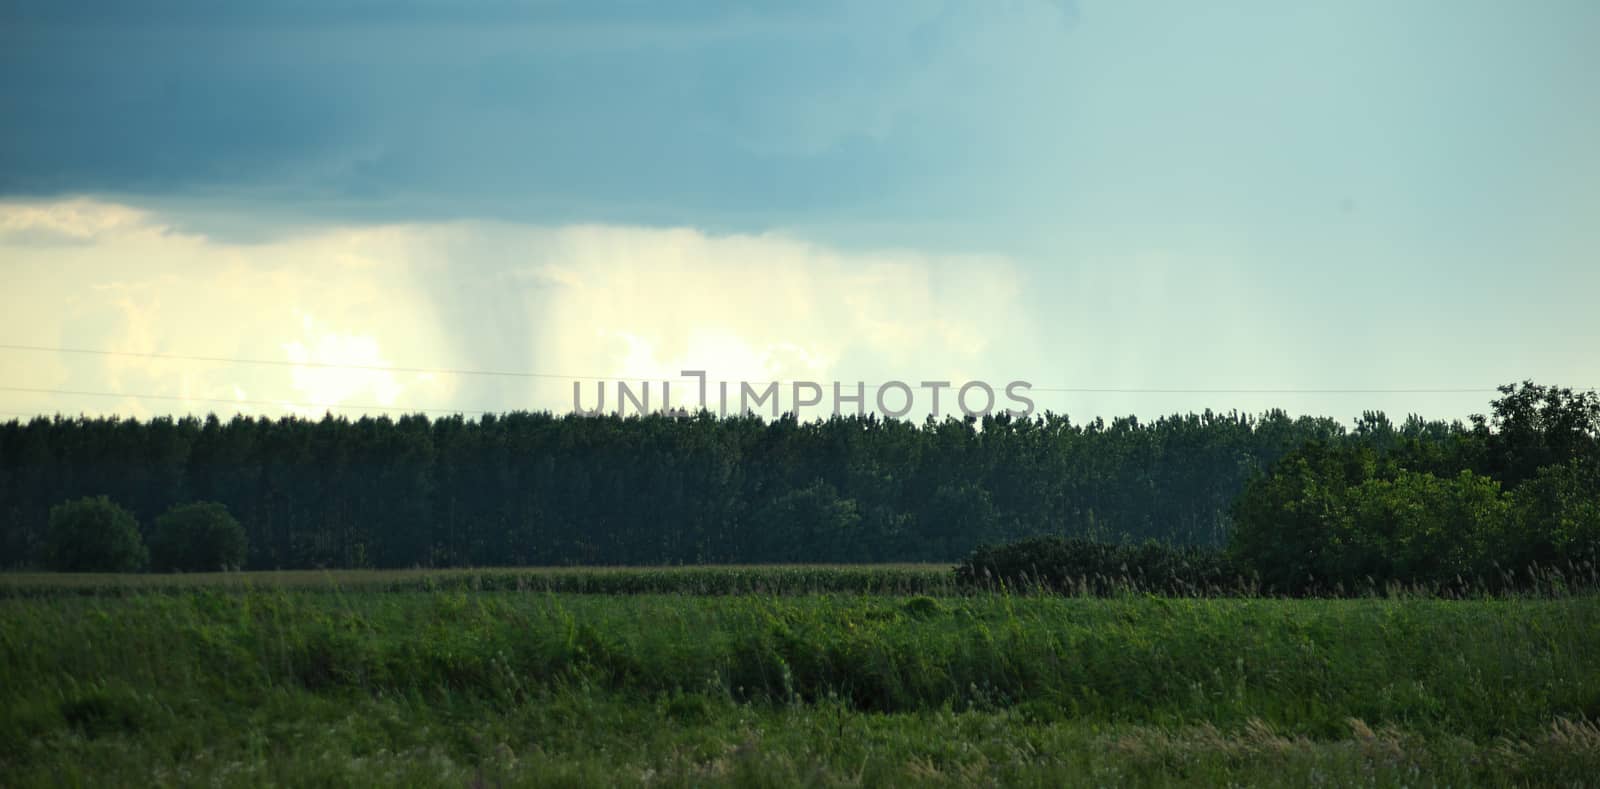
<point x="344" y="682"/>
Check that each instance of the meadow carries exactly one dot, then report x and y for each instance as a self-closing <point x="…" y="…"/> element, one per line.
<point x="429" y="679"/>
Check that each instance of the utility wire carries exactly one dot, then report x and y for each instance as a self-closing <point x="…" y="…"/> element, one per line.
<point x="575" y="378"/>
<point x="229" y="401"/>
<point x="320" y="365"/>
<point x="399" y="409"/>
<point x="1088" y="390"/>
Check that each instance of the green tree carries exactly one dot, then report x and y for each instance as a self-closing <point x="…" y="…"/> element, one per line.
<point x="1417" y="528"/>
<point x="197" y="537"/>
<point x="1557" y="518"/>
<point x="956" y="519"/>
<point x="93" y="535"/>
<point x="811" y="524"/>
<point x="1536" y="426"/>
<point x="1285" y="523"/>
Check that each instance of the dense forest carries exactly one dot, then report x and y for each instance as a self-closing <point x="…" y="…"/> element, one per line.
<point x="541" y="489"/>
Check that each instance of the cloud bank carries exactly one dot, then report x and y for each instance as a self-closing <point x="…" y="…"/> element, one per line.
<point x="568" y="303"/>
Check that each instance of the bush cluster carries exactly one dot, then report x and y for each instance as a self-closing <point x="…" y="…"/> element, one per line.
<point x="197" y="537"/>
<point x="94" y="534"/>
<point x="1078" y="565"/>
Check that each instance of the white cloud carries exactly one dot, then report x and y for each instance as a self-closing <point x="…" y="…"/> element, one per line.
<point x="72" y="221"/>
<point x="318" y="376"/>
<point x="644" y="304"/>
<point x="594" y="300"/>
<point x="130" y="285"/>
<point x="766" y="307"/>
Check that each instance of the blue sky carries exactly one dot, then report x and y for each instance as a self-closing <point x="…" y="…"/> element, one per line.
<point x="1101" y="194"/>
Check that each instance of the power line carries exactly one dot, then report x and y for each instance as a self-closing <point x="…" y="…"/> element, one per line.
<point x="1089" y="390"/>
<point x="413" y="410"/>
<point x="319" y="365"/>
<point x="228" y="401"/>
<point x="576" y="378"/>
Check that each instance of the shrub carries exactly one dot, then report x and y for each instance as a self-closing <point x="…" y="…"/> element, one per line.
<point x="93" y="535"/>
<point x="1076" y="564"/>
<point x="197" y="537"/>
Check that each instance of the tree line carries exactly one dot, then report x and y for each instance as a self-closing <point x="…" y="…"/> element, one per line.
<point x="541" y="489"/>
<point x="1511" y="501"/>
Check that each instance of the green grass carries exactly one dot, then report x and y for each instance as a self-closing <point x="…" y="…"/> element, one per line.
<point x="586" y="738"/>
<point x="461" y="687"/>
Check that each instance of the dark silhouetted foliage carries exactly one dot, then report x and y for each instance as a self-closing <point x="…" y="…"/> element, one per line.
<point x="197" y="537"/>
<point x="93" y="535"/>
<point x="1322" y="508"/>
<point x="1077" y="565"/>
<point x="536" y="489"/>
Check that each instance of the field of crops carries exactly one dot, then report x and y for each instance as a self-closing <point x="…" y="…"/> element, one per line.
<point x="774" y="677"/>
<point x="928" y="579"/>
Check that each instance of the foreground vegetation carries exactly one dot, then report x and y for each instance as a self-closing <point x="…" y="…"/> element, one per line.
<point x="456" y="687"/>
<point x="1461" y="646"/>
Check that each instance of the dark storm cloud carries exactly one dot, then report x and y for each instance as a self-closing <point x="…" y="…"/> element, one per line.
<point x="716" y="113"/>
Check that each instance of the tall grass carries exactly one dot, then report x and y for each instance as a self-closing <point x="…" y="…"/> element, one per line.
<point x="1480" y="668"/>
<point x="459" y="687"/>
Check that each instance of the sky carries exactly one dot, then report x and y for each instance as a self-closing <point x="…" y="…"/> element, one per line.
<point x="1143" y="196"/>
